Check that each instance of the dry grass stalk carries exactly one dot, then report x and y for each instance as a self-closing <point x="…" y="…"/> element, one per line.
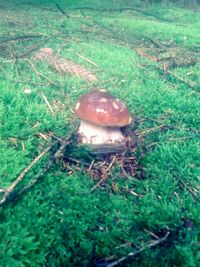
<point x="40" y="74"/>
<point x="87" y="59"/>
<point x="47" y="103"/>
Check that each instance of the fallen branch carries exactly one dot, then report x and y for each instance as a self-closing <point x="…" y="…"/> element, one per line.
<point x="102" y="181"/>
<point x="164" y="69"/>
<point x="14" y="38"/>
<point x="122" y="10"/>
<point x="192" y="85"/>
<point x="37" y="46"/>
<point x="61" y="10"/>
<point x="148" y="245"/>
<point x="12" y="194"/>
<point x="56" y="155"/>
<point x="11" y="188"/>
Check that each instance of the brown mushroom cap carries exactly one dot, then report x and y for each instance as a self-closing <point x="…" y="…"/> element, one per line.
<point x="102" y="108"/>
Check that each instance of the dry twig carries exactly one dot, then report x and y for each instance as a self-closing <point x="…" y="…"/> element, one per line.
<point x="164" y="69"/>
<point x="179" y="139"/>
<point x="47" y="102"/>
<point x="103" y="179"/>
<point x="11" y="193"/>
<point x="11" y="188"/>
<point x="186" y="186"/>
<point x="148" y="245"/>
<point x="122" y="10"/>
<point x="87" y="59"/>
<point x="62" y="11"/>
<point x="14" y="38"/>
<point x="40" y="74"/>
<point x="55" y="156"/>
<point x="188" y="83"/>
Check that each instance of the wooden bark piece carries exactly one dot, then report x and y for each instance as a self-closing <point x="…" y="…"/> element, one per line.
<point x="63" y="65"/>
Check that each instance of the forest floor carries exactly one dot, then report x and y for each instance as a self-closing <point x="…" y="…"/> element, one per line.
<point x="60" y="206"/>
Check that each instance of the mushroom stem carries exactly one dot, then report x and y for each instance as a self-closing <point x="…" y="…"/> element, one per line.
<point x="95" y="134"/>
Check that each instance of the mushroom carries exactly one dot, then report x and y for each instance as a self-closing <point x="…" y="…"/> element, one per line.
<point x="102" y="115"/>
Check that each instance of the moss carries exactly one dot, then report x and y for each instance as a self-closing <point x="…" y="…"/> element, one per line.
<point x="60" y="222"/>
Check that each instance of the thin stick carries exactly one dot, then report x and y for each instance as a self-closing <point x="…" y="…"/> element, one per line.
<point x="192" y="191"/>
<point x="61" y="10"/>
<point x="103" y="179"/>
<point x="165" y="71"/>
<point x="152" y="129"/>
<point x="111" y="163"/>
<point x="88" y="60"/>
<point x="14" y="38"/>
<point x="190" y="84"/>
<point x="12" y="194"/>
<point x="24" y="172"/>
<point x="47" y="102"/>
<point x="172" y="140"/>
<point x="142" y="248"/>
<point x="56" y="155"/>
<point x="121" y="10"/>
<point x="91" y="165"/>
<point x="18" y="81"/>
<point x="157" y="44"/>
<point x="40" y="74"/>
<point x="15" y="194"/>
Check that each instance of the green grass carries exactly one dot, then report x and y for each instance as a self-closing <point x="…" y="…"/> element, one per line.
<point x="59" y="222"/>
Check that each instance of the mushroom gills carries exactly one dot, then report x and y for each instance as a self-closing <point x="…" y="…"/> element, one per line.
<point x="95" y="134"/>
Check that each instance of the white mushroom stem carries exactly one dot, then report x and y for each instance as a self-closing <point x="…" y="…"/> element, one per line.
<point x="94" y="134"/>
